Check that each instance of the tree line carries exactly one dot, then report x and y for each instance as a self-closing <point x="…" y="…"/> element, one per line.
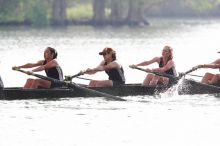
<point x="103" y="12"/>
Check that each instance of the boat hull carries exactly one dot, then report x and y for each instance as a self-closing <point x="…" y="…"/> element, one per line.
<point x="127" y="90"/>
<point x="193" y="87"/>
<point x="187" y="87"/>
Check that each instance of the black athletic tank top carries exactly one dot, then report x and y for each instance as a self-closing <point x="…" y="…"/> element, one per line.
<point x="54" y="72"/>
<point x="116" y="74"/>
<point x="171" y="71"/>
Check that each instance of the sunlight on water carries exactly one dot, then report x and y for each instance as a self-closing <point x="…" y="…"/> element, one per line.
<point x="164" y="119"/>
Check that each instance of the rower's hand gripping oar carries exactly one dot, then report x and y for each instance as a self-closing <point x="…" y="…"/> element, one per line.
<point x="69" y="78"/>
<point x="72" y="85"/>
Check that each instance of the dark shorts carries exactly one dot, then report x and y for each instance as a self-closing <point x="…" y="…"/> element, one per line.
<point x="216" y="84"/>
<point x="56" y="85"/>
<point x="116" y="83"/>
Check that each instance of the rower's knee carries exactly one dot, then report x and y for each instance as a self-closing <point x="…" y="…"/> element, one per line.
<point x="215" y="79"/>
<point x="208" y="74"/>
<point x="147" y="80"/>
<point x="207" y="78"/>
<point x="154" y="81"/>
<point x="29" y="80"/>
<point x="28" y="83"/>
<point x="165" y="81"/>
<point x="92" y="83"/>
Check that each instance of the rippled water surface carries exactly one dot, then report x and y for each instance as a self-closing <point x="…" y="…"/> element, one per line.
<point x="167" y="119"/>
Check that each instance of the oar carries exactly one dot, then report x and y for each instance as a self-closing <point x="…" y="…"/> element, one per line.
<point x="156" y="73"/>
<point x="167" y="75"/>
<point x="187" y="72"/>
<point x="84" y="78"/>
<point x="72" y="85"/>
<point x="69" y="78"/>
<point x="195" y="75"/>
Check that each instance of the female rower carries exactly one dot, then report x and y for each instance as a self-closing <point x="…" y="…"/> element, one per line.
<point x="51" y="67"/>
<point x="210" y="78"/>
<point x="166" y="65"/>
<point x="113" y="69"/>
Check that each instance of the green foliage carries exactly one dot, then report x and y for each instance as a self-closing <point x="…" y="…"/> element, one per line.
<point x="80" y="12"/>
<point x="36" y="12"/>
<point x="39" y="11"/>
<point x="201" y="5"/>
<point x="7" y="9"/>
<point x="19" y="10"/>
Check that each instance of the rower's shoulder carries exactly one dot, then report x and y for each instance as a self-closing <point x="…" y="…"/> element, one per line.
<point x="116" y="63"/>
<point x="52" y="63"/>
<point x="156" y="59"/>
<point x="40" y="62"/>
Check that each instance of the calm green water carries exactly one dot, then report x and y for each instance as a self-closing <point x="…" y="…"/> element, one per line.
<point x="168" y="119"/>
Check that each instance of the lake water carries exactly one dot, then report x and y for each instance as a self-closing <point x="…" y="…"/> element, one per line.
<point x="167" y="119"/>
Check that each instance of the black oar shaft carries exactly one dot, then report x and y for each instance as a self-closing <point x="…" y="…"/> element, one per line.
<point x="76" y="75"/>
<point x="156" y="73"/>
<point x="98" y="93"/>
<point x="73" y="85"/>
<point x="195" y="75"/>
<point x="69" y="78"/>
<point x="187" y="72"/>
<point x="84" y="78"/>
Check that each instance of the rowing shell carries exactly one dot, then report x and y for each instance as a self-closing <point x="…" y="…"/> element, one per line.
<point x="187" y="87"/>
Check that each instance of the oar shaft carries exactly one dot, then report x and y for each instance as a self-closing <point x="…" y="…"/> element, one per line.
<point x="187" y="72"/>
<point x="156" y="73"/>
<point x="195" y="75"/>
<point x="97" y="93"/>
<point x="79" y="74"/>
<point x="84" y="78"/>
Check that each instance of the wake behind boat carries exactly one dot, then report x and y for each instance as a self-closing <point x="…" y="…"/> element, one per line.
<point x="187" y="87"/>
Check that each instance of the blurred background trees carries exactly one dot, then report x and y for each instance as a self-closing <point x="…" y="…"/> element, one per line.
<point x="100" y="12"/>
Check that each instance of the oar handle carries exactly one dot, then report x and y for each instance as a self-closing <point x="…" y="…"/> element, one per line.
<point x="40" y="76"/>
<point x="23" y="71"/>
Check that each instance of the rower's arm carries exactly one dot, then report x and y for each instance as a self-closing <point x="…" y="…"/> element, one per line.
<point x="103" y="67"/>
<point x="30" y="65"/>
<point x="215" y="64"/>
<point x="52" y="63"/>
<point x="209" y="66"/>
<point x="145" y="63"/>
<point x="96" y="69"/>
<point x="168" y="66"/>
